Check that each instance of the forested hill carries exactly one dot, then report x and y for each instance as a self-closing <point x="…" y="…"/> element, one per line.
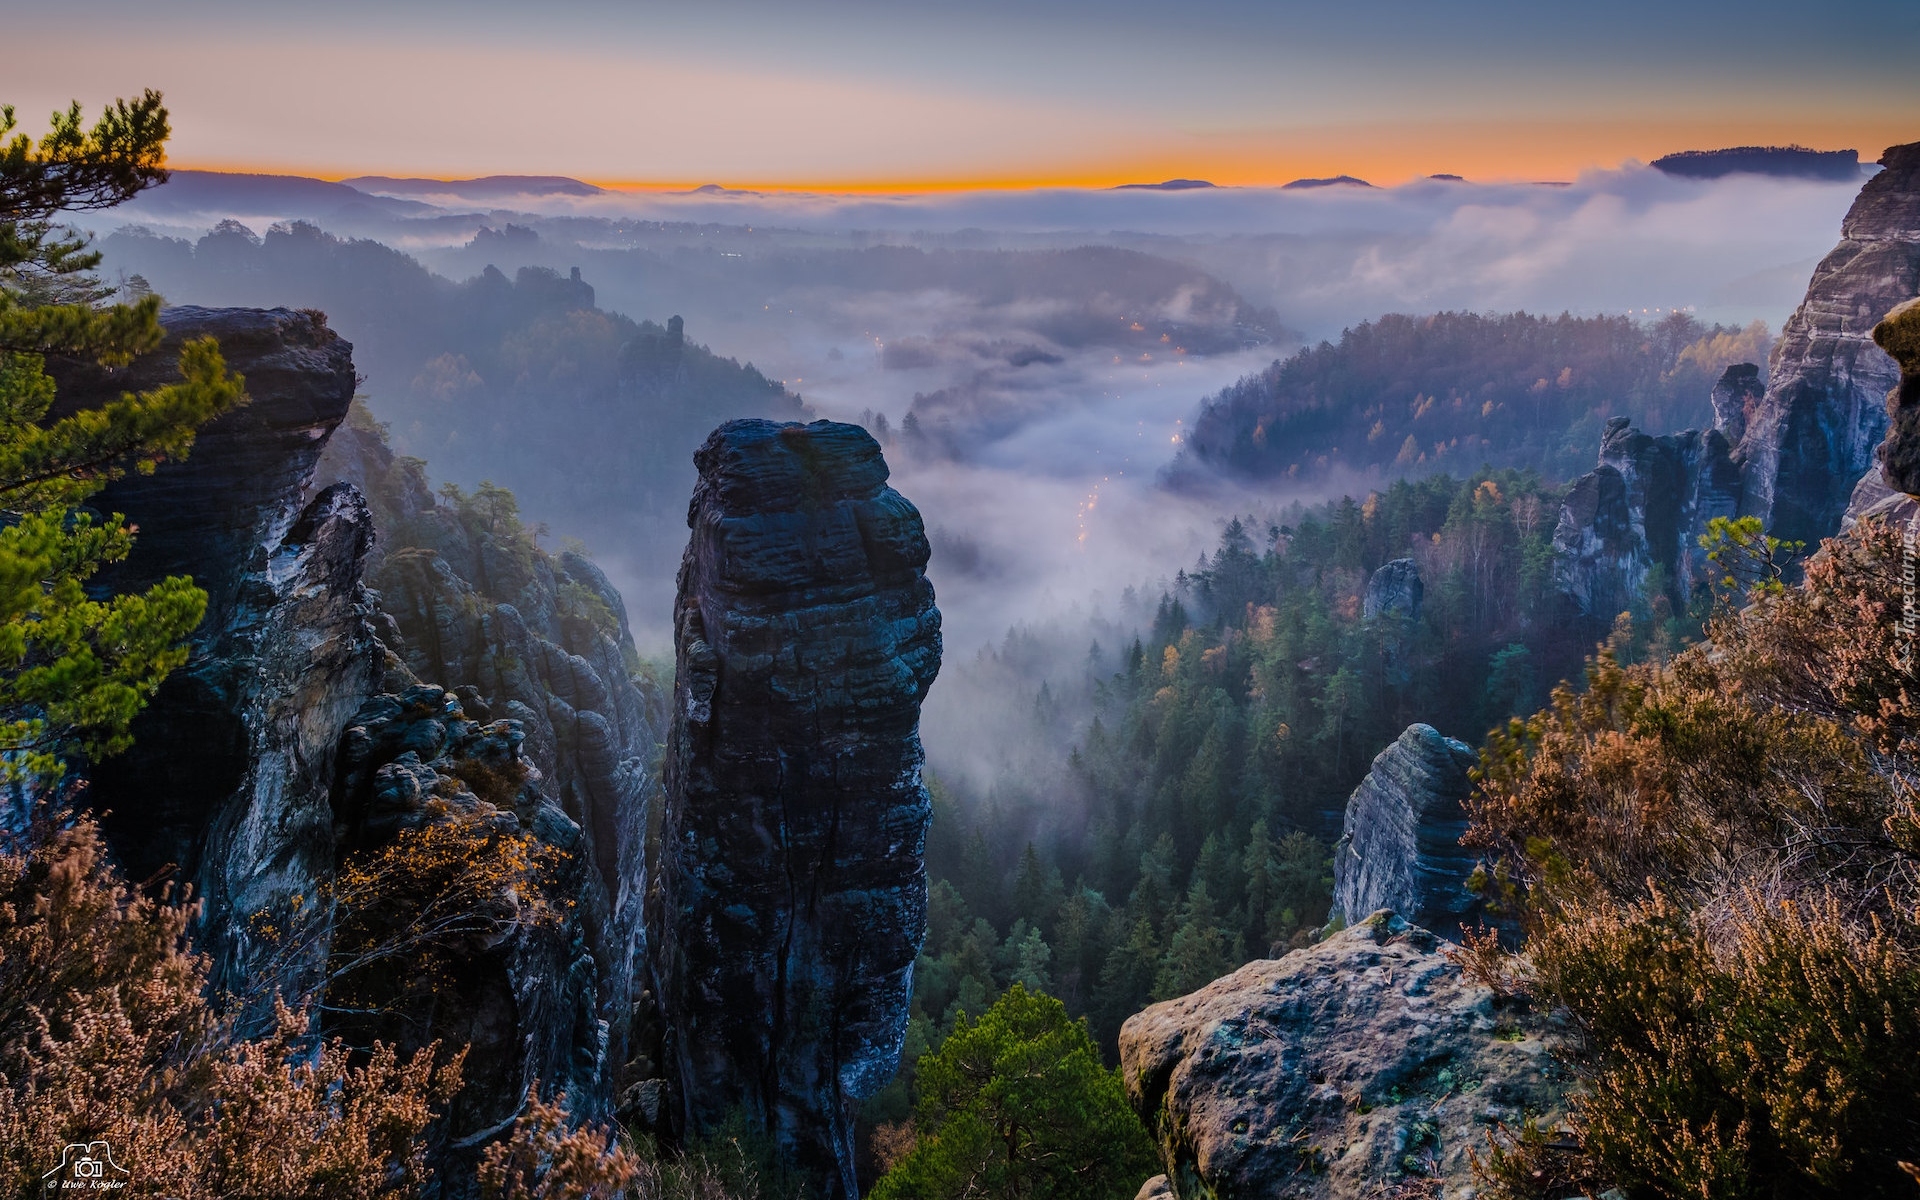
<point x="1408" y="395"/>
<point x="592" y="417"/>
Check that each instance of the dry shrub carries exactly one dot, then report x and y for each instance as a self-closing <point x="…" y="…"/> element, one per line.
<point x="1483" y="960"/>
<point x="1718" y="865"/>
<point x="544" y="1159"/>
<point x="892" y="1142"/>
<point x="395" y="923"/>
<point x="105" y="1033"/>
<point x="1532" y="1163"/>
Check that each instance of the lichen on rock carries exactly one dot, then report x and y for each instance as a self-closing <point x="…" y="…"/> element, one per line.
<point x="1339" y="1070"/>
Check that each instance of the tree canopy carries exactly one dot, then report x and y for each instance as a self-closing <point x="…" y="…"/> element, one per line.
<point x="1018" y="1104"/>
<point x="75" y="669"/>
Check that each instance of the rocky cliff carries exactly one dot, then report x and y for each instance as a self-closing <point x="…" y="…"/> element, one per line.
<point x="1791" y="454"/>
<point x="298" y="740"/>
<point x="467" y="601"/>
<point x="793" y="889"/>
<point x="1400" y="845"/>
<point x="1812" y="436"/>
<point x="231" y="771"/>
<point x="1645" y="507"/>
<point x="1366" y="1065"/>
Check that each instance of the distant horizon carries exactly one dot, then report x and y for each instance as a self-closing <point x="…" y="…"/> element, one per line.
<point x="863" y="96"/>
<point x="1091" y="182"/>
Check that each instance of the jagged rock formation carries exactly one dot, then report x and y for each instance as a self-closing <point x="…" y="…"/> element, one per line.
<point x="1394" y="590"/>
<point x="1813" y="435"/>
<point x="793" y="888"/>
<point x="1646" y="506"/>
<point x="1889" y="494"/>
<point x="471" y="604"/>
<point x="1793" y="455"/>
<point x="521" y="994"/>
<point x="1341" y="1070"/>
<point x="231" y="769"/>
<point x="1400" y="845"/>
<point x="298" y="735"/>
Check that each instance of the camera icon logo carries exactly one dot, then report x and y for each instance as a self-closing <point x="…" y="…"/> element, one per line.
<point x="86" y="1165"/>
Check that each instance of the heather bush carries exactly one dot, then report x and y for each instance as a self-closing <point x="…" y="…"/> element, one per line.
<point x="106" y="1033"/>
<point x="1717" y="864"/>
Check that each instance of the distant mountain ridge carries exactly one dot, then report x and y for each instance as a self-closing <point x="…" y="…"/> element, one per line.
<point x="1165" y="185"/>
<point x="486" y="187"/>
<point x="1792" y="162"/>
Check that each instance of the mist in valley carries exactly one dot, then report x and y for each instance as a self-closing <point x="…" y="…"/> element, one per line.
<point x="1032" y="361"/>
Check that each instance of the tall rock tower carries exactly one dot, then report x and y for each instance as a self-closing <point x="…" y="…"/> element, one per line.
<point x="1812" y="436"/>
<point x="793" y="880"/>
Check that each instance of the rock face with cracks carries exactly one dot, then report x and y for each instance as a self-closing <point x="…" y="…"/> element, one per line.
<point x="1812" y="436"/>
<point x="1400" y="845"/>
<point x="231" y="769"/>
<point x="1362" y="1064"/>
<point x="793" y="884"/>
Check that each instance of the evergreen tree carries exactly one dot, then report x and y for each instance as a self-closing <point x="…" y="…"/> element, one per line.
<point x="1017" y="1104"/>
<point x="75" y="669"/>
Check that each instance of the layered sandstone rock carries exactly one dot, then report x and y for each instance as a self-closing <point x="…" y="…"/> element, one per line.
<point x="1646" y="506"/>
<point x="1362" y="1064"/>
<point x="519" y="994"/>
<point x="793" y="888"/>
<point x="231" y="770"/>
<point x="1400" y="845"/>
<point x="295" y="738"/>
<point x="1812" y="437"/>
<point x="470" y="605"/>
<point x="1799" y="454"/>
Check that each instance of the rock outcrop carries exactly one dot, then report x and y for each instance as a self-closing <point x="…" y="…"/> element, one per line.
<point x="1791" y="454"/>
<point x="793" y="887"/>
<point x="298" y="738"/>
<point x="1400" y="845"/>
<point x="469" y="603"/>
<point x="231" y="771"/>
<point x="523" y="995"/>
<point x="1394" y="590"/>
<point x="1342" y="1070"/>
<point x="1812" y="436"/>
<point x="1645" y="507"/>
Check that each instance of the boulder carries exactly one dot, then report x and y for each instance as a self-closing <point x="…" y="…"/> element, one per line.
<point x="1346" y="1069"/>
<point x="1400" y="846"/>
<point x="793" y="883"/>
<point x="1394" y="590"/>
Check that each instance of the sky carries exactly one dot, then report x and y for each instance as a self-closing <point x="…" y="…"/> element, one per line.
<point x="917" y="94"/>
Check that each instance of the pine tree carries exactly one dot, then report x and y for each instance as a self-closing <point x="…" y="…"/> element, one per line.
<point x="1017" y="1104"/>
<point x="75" y="670"/>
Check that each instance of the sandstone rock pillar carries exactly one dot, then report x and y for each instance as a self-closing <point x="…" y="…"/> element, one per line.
<point x="793" y="882"/>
